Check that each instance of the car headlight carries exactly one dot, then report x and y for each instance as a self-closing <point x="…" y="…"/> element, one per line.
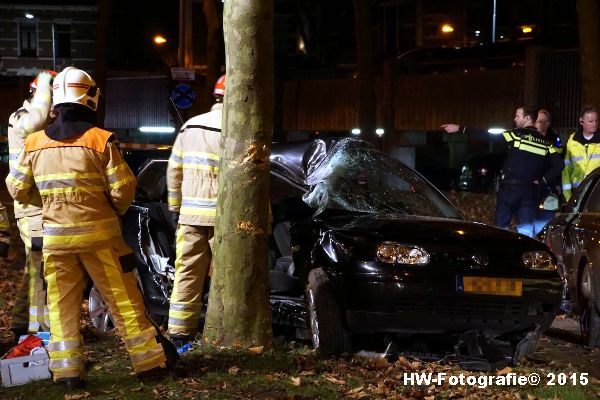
<point x="539" y="260"/>
<point x="399" y="253"/>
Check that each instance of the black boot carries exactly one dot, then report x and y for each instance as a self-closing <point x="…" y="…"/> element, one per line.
<point x="170" y="351"/>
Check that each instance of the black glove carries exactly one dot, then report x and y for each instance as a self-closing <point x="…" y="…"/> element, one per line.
<point x="175" y="217"/>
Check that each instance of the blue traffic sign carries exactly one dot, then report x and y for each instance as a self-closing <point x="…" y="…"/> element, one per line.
<point x="183" y="95"/>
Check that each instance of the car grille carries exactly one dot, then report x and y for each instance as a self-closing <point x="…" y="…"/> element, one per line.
<point x="460" y="308"/>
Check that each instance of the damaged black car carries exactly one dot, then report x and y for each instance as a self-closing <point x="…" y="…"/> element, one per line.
<point x="573" y="237"/>
<point x="364" y="247"/>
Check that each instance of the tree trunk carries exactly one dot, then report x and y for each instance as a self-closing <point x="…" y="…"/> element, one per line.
<point x="99" y="73"/>
<point x="589" y="45"/>
<point x="239" y="314"/>
<point x="367" y="108"/>
<point x="214" y="27"/>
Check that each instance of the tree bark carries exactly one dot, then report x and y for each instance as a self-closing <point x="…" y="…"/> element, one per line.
<point x="367" y="109"/>
<point x="238" y="313"/>
<point x="214" y="27"/>
<point x="589" y="48"/>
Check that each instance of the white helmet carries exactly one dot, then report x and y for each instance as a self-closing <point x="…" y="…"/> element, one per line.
<point x="73" y="85"/>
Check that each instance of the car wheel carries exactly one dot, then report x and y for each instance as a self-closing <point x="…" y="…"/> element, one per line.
<point x="590" y="319"/>
<point x="99" y="312"/>
<point x="325" y="318"/>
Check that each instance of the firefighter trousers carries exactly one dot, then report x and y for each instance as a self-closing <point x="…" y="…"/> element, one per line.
<point x="193" y="256"/>
<point x="30" y="313"/>
<point x="66" y="279"/>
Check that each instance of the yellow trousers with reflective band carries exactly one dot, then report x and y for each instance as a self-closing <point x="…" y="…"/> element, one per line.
<point x="66" y="279"/>
<point x="191" y="267"/>
<point x="30" y="312"/>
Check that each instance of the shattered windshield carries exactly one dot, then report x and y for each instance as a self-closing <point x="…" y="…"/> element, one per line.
<point x="357" y="178"/>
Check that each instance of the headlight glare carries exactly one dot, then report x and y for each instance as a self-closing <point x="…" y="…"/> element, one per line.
<point x="539" y="260"/>
<point x="399" y="253"/>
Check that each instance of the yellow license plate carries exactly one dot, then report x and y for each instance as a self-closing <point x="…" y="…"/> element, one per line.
<point x="491" y="286"/>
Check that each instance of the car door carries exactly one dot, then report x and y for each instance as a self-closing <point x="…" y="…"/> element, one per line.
<point x="568" y="234"/>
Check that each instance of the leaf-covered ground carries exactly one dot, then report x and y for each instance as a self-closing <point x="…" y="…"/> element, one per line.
<point x="294" y="371"/>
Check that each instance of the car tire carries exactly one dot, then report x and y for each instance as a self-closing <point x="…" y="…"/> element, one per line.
<point x="590" y="318"/>
<point x="99" y="313"/>
<point x="324" y="316"/>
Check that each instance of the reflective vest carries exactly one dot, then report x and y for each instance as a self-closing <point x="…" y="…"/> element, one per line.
<point x="193" y="169"/>
<point x="83" y="183"/>
<point x="581" y="158"/>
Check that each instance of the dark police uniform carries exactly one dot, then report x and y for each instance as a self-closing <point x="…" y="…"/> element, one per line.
<point x="532" y="160"/>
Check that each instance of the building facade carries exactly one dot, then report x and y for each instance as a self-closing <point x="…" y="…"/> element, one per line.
<point x="37" y="37"/>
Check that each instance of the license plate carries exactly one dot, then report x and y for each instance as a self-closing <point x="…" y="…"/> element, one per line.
<point x="491" y="286"/>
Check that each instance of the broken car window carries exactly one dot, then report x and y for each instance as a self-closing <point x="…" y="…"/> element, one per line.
<point x="354" y="177"/>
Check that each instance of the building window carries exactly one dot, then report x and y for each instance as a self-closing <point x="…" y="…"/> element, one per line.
<point x="62" y="40"/>
<point x="28" y="38"/>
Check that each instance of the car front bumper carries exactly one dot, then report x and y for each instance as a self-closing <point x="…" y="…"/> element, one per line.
<point x="431" y="302"/>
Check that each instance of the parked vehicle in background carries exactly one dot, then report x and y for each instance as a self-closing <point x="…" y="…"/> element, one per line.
<point x="573" y="236"/>
<point x="364" y="246"/>
<point x="481" y="173"/>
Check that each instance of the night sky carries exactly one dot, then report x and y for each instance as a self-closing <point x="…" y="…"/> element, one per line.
<point x="132" y="26"/>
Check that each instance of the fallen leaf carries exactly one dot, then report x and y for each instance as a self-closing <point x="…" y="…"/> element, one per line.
<point x="233" y="370"/>
<point x="295" y="381"/>
<point x="307" y="373"/>
<point x="333" y="379"/>
<point x="355" y="390"/>
<point x="84" y="395"/>
<point x="504" y="371"/>
<point x="256" y="350"/>
<point x="531" y="397"/>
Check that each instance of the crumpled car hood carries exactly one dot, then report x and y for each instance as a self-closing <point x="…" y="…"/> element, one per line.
<point x="448" y="240"/>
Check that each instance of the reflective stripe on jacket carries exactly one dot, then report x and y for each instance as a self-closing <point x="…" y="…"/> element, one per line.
<point x="193" y="169"/>
<point x="26" y="120"/>
<point x="580" y="160"/>
<point x="531" y="157"/>
<point x="83" y="183"/>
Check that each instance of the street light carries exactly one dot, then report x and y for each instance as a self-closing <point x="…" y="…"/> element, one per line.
<point x="447" y="28"/>
<point x="526" y="28"/>
<point x="160" y="39"/>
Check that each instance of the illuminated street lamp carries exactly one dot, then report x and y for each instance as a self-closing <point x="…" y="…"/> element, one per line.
<point x="160" y="40"/>
<point x="447" y="28"/>
<point x="526" y="28"/>
<point x="28" y="15"/>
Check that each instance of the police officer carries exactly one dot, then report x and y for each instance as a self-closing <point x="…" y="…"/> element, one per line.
<point x="192" y="186"/>
<point x="543" y="215"/>
<point x="83" y="195"/>
<point x="582" y="154"/>
<point x="30" y="313"/>
<point x="531" y="161"/>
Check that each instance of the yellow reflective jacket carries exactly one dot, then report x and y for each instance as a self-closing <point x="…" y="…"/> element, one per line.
<point x="193" y="169"/>
<point x="83" y="183"/>
<point x="28" y="119"/>
<point x="581" y="157"/>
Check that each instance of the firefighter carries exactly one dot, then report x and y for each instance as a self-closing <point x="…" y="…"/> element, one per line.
<point x="30" y="313"/>
<point x="76" y="171"/>
<point x="531" y="161"/>
<point x="192" y="186"/>
<point x="582" y="154"/>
